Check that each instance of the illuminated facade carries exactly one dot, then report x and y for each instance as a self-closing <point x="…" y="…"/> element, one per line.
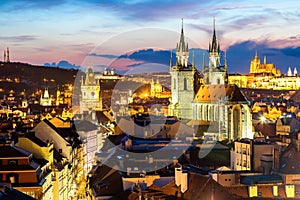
<point x="45" y="98"/>
<point x="214" y="101"/>
<point x="227" y="106"/>
<point x="64" y="96"/>
<point x="182" y="81"/>
<point x="266" y="76"/>
<point x="90" y="93"/>
<point x="156" y="90"/>
<point x="215" y="73"/>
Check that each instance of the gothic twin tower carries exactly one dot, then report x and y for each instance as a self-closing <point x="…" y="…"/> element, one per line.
<point x="185" y="81"/>
<point x="208" y="97"/>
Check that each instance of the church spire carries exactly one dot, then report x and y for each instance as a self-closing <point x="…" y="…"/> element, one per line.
<point x="225" y="69"/>
<point x="171" y="62"/>
<point x="193" y="62"/>
<point x="214" y="47"/>
<point x="182" y="54"/>
<point x="181" y="42"/>
<point x="225" y="62"/>
<point x="289" y="73"/>
<point x="203" y="62"/>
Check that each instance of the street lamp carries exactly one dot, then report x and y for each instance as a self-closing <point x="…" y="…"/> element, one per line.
<point x="263" y="119"/>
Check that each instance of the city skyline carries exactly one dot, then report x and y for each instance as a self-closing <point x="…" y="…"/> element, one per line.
<point x="44" y="32"/>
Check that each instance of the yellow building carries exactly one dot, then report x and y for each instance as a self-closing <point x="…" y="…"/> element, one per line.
<point x="157" y="90"/>
<point x="266" y="76"/>
<point x="265" y="69"/>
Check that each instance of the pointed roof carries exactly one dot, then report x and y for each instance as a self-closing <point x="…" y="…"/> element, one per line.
<point x="171" y="62"/>
<point x="214" y="47"/>
<point x="289" y="73"/>
<point x="215" y="92"/>
<point x="182" y="47"/>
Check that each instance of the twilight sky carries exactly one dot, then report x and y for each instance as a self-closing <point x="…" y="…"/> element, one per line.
<point x="50" y="31"/>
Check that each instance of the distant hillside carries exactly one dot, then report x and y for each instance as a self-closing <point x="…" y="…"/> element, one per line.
<point x="22" y="76"/>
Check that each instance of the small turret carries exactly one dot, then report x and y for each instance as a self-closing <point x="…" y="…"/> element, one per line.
<point x="289" y="73"/>
<point x="7" y="55"/>
<point x="4" y="56"/>
<point x="295" y="71"/>
<point x="171" y="62"/>
<point x="203" y="62"/>
<point x="193" y="63"/>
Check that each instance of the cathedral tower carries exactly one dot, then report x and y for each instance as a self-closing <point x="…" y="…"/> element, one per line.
<point x="214" y="73"/>
<point x="182" y="81"/>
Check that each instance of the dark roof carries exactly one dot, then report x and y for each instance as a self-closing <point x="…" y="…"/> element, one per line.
<point x="200" y="187"/>
<point x="268" y="129"/>
<point x="106" y="181"/>
<point x="7" y="151"/>
<point x="290" y="160"/>
<point x="84" y="125"/>
<point x="261" y="179"/>
<point x="102" y="118"/>
<point x="11" y="193"/>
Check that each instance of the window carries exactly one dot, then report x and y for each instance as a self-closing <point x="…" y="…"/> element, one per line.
<point x="12" y="162"/>
<point x="184" y="84"/>
<point x="12" y="178"/>
<point x="174" y="82"/>
<point x="259" y="193"/>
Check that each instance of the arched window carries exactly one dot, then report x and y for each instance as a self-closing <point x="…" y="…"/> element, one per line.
<point x="184" y="84"/>
<point x="236" y="123"/>
<point x="174" y="83"/>
<point x="218" y="81"/>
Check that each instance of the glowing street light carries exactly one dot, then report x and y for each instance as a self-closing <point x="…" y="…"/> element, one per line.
<point x="263" y="119"/>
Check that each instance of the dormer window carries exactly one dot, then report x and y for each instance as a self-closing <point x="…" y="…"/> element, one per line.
<point x="12" y="162"/>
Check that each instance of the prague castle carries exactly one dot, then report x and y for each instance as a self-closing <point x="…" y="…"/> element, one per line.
<point x="266" y="76"/>
<point x="210" y="98"/>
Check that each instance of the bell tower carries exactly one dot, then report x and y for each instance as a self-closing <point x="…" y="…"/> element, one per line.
<point x="182" y="81"/>
<point x="215" y="73"/>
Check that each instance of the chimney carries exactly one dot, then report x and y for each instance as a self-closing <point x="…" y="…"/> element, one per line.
<point x="178" y="172"/>
<point x="184" y="182"/>
<point x="93" y="115"/>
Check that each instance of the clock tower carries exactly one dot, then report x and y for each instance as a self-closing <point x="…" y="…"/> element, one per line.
<point x="90" y="93"/>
